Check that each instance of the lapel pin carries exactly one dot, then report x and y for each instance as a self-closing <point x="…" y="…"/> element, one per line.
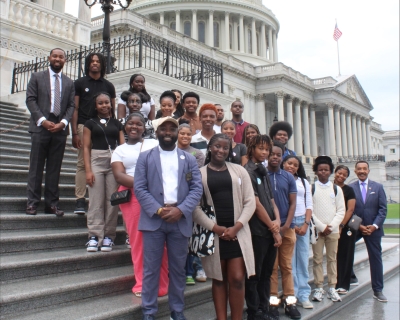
<point x="182" y="157"/>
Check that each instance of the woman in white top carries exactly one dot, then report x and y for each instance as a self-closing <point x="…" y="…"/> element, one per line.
<point x="123" y="164"/>
<point x="137" y="85"/>
<point x="302" y="217"/>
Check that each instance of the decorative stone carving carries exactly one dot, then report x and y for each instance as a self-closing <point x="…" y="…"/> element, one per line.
<point x="351" y="89"/>
<point x="231" y="89"/>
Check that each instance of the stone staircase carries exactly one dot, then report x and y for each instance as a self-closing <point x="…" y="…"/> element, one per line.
<point x="46" y="273"/>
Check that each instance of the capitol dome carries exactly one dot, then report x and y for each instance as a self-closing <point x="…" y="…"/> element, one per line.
<point x="245" y="29"/>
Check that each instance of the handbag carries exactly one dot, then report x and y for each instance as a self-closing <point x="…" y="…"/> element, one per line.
<point x="313" y="232"/>
<point x="201" y="243"/>
<point x="120" y="197"/>
<point x="354" y="223"/>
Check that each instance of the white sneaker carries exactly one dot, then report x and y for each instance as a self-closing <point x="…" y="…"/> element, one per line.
<point x="342" y="291"/>
<point x="318" y="294"/>
<point x="107" y="245"/>
<point x="305" y="304"/>
<point x="201" y="276"/>
<point x="333" y="295"/>
<point x="127" y="243"/>
<point x="92" y="245"/>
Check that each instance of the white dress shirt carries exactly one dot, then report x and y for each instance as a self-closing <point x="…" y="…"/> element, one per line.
<point x="169" y="168"/>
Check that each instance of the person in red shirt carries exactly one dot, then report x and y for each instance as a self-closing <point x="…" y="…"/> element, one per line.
<point x="237" y="108"/>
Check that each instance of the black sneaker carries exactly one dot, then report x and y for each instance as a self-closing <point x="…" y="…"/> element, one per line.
<point x="255" y="316"/>
<point x="80" y="206"/>
<point x="291" y="311"/>
<point x="177" y="316"/>
<point x="354" y="281"/>
<point x="273" y="313"/>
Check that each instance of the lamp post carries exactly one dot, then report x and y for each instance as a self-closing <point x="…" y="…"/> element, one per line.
<point x="107" y="7"/>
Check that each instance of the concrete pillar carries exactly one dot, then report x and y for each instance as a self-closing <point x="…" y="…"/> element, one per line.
<point x="162" y="17"/>
<point x="263" y="49"/>
<point x="270" y="45"/>
<point x="253" y="37"/>
<point x="364" y="136"/>
<point x="195" y="33"/>
<point x="260" y="114"/>
<point x="349" y="134"/>
<point x="241" y="33"/>
<point x="359" y="136"/>
<point x="246" y="38"/>
<point x="354" y="134"/>
<point x="298" y="136"/>
<point x="326" y="135"/>
<point x="84" y="12"/>
<point x="306" y="130"/>
<point x="289" y="118"/>
<point x="49" y="4"/>
<point x="338" y="136"/>
<point x="177" y="20"/>
<point x="313" y="132"/>
<point x="235" y="45"/>
<point x="275" y="44"/>
<point x="281" y="113"/>
<point x="332" y="142"/>
<point x="211" y="28"/>
<point x="368" y="134"/>
<point x="344" y="132"/>
<point x="227" y="34"/>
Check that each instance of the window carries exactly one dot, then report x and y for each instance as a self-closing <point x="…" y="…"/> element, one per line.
<point x="249" y="41"/>
<point x="216" y="34"/>
<point x="187" y="28"/>
<point x="202" y="31"/>
<point x="230" y="37"/>
<point x="238" y="39"/>
<point x="258" y="44"/>
<point x="392" y="151"/>
<point x="173" y="25"/>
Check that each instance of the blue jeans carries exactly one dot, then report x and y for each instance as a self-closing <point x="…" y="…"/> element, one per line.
<point x="300" y="262"/>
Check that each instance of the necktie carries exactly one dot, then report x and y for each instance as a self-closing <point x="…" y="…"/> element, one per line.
<point x="363" y="191"/>
<point x="57" y="96"/>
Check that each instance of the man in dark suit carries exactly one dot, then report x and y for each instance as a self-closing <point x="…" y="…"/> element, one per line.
<point x="50" y="100"/>
<point x="371" y="207"/>
<point x="168" y="187"/>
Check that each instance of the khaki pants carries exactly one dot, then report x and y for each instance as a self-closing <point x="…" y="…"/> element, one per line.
<point x="102" y="217"/>
<point x="284" y="261"/>
<point x="80" y="177"/>
<point x="331" y="244"/>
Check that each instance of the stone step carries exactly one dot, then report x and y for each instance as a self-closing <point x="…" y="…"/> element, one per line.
<point x="30" y="265"/>
<point x="15" y="222"/>
<point x="7" y="160"/>
<point x="67" y="175"/>
<point x="40" y="293"/>
<point x="10" y="107"/>
<point x="17" y="131"/>
<point x="25" y="167"/>
<point x="9" y="189"/>
<point x="8" y="123"/>
<point x="23" y="149"/>
<point x="18" y="204"/>
<point x="49" y="239"/>
<point x="19" y="116"/>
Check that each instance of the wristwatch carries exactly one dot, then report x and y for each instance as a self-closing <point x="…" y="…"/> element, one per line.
<point x="307" y="223"/>
<point x="159" y="210"/>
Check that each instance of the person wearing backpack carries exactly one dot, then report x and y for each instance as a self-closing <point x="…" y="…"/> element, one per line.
<point x="328" y="214"/>
<point x="301" y="220"/>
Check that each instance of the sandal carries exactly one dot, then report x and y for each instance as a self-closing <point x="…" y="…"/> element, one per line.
<point x="138" y="294"/>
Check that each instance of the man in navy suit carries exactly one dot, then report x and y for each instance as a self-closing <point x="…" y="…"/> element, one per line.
<point x="168" y="187"/>
<point x="371" y="207"/>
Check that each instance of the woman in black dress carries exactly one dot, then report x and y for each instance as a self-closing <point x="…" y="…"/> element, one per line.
<point x="346" y="245"/>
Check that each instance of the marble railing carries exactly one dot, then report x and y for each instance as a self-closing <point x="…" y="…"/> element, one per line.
<point x="280" y="68"/>
<point x="37" y="17"/>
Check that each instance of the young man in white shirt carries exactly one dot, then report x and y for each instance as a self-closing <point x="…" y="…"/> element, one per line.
<point x="208" y="116"/>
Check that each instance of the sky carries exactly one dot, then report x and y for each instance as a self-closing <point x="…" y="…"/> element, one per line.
<point x="368" y="47"/>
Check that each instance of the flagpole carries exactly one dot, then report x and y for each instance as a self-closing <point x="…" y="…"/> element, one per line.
<point x="338" y="58"/>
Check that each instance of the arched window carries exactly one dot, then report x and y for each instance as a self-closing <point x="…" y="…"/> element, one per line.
<point x="230" y="37"/>
<point x="172" y="25"/>
<point x="216" y="34"/>
<point x="249" y="41"/>
<point x="202" y="31"/>
<point x="187" y="28"/>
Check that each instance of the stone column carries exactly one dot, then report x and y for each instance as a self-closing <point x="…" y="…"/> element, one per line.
<point x="227" y="34"/>
<point x="306" y="130"/>
<point x="49" y="4"/>
<point x="281" y="113"/>
<point x="344" y="132"/>
<point x="275" y="44"/>
<point x="332" y="142"/>
<point x="246" y="38"/>
<point x="338" y="137"/>
<point x="260" y="113"/>
<point x="326" y="135"/>
<point x="211" y="28"/>
<point x="364" y="136"/>
<point x="359" y="136"/>
<point x="253" y="37"/>
<point x="354" y="134"/>
<point x="289" y="115"/>
<point x="162" y="17"/>
<point x="241" y="33"/>
<point x="263" y="49"/>
<point x="298" y="136"/>
<point x="270" y="45"/>
<point x="368" y="134"/>
<point x="84" y="12"/>
<point x="349" y="134"/>
<point x="195" y="33"/>
<point x="313" y="132"/>
<point x="235" y="44"/>
<point x="177" y="20"/>
<point x="59" y="6"/>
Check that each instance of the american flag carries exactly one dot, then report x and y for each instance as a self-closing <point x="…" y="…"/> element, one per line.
<point x="337" y="33"/>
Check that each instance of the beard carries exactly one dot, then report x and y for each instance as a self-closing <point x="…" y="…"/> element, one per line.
<point x="167" y="144"/>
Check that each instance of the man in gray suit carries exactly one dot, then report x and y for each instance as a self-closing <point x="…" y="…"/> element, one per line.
<point x="50" y="100"/>
<point x="168" y="187"/>
<point x="371" y="207"/>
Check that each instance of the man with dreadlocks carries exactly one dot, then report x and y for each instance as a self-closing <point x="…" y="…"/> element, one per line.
<point x="282" y="131"/>
<point x="85" y="89"/>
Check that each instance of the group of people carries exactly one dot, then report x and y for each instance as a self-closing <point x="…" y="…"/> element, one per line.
<point x="180" y="159"/>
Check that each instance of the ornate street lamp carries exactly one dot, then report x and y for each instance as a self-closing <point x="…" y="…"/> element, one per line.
<point x="107" y="7"/>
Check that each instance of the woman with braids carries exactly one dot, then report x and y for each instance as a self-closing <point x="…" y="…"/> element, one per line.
<point x="101" y="135"/>
<point x="347" y="240"/>
<point x="137" y="85"/>
<point x="282" y="131"/>
<point x="228" y="190"/>
<point x="123" y="163"/>
<point x="239" y="150"/>
<point x="167" y="103"/>
<point x="177" y="111"/>
<point x="301" y="220"/>
<point x="250" y="131"/>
